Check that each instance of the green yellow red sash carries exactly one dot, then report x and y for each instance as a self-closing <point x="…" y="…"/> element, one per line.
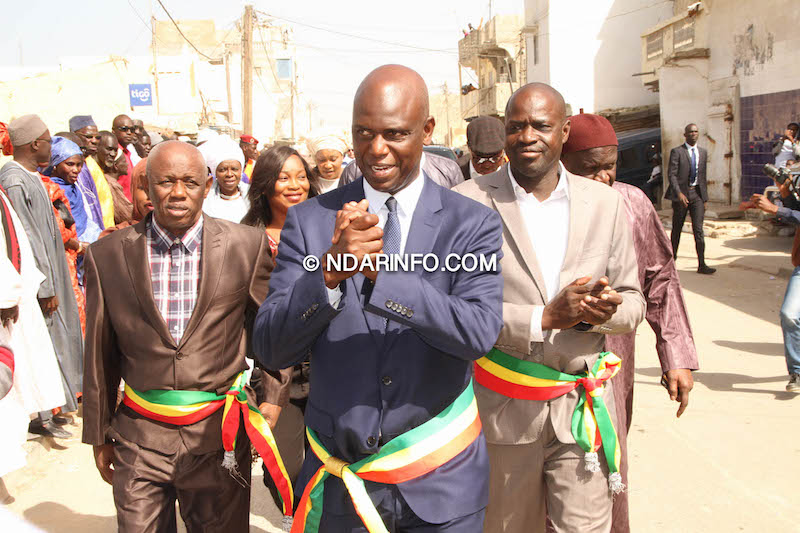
<point x="592" y="426"/>
<point x="406" y="457"/>
<point x="180" y="407"/>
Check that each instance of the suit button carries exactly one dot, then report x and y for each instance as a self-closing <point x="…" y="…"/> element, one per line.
<point x="314" y="307"/>
<point x="371" y="441"/>
<point x="387" y="380"/>
<point x="410" y="313"/>
<point x="389" y="304"/>
<point x="179" y="355"/>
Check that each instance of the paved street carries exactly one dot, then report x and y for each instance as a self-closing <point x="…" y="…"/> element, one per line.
<point x="729" y="464"/>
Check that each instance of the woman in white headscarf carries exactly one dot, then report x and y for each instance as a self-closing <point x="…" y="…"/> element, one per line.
<point x="227" y="198"/>
<point x="328" y="151"/>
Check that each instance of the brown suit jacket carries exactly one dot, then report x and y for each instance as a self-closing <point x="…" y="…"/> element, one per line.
<point x="126" y="336"/>
<point x="599" y="244"/>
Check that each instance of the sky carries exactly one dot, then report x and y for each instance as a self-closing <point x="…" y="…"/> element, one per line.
<point x="422" y="34"/>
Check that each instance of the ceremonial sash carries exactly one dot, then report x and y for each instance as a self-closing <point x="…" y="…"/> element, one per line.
<point x="179" y="407"/>
<point x="592" y="427"/>
<point x="405" y="457"/>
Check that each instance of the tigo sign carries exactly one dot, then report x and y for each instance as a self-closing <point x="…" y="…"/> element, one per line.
<point x="141" y="94"/>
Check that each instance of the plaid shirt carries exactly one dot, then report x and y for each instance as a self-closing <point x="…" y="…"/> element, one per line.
<point x="175" y="273"/>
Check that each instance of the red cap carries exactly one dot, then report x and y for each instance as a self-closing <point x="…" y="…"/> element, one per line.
<point x="249" y="139"/>
<point x="589" y="131"/>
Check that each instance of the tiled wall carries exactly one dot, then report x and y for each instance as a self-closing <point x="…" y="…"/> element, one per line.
<point x="764" y="119"/>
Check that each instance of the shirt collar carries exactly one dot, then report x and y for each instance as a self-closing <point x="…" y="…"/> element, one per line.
<point x="561" y="189"/>
<point x="689" y="147"/>
<point x="164" y="239"/>
<point x="474" y="173"/>
<point x="406" y="199"/>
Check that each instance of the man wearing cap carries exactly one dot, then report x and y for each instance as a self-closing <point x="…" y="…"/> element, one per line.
<point x="485" y="139"/>
<point x="22" y="183"/>
<point x="85" y="128"/>
<point x="591" y="151"/>
<point x="249" y="146"/>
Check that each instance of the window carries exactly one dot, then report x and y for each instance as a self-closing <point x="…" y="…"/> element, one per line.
<point x="536" y="49"/>
<point x="284" y="68"/>
<point x="683" y="34"/>
<point x="655" y="45"/>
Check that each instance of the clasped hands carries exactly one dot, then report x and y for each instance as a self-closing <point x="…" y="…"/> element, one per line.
<point x="355" y="232"/>
<point x="581" y="302"/>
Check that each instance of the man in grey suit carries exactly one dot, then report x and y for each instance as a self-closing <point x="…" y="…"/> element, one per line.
<point x="569" y="278"/>
<point x="688" y="192"/>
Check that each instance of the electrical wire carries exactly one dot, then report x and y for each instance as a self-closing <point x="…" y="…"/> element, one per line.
<point x="353" y="36"/>
<point x="182" y="35"/>
<point x="271" y="66"/>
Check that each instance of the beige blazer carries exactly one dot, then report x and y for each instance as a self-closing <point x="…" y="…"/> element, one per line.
<point x="600" y="244"/>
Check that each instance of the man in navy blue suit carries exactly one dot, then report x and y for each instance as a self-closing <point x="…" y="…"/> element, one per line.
<point x="391" y="393"/>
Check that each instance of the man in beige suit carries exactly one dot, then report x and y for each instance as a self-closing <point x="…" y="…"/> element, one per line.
<point x="570" y="278"/>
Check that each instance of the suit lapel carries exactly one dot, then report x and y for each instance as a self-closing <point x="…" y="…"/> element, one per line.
<point x="425" y="225"/>
<point x="578" y="227"/>
<point x="505" y="202"/>
<point x="212" y="259"/>
<point x="135" y="256"/>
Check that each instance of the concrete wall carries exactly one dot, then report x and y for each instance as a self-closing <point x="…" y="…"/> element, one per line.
<point x="589" y="50"/>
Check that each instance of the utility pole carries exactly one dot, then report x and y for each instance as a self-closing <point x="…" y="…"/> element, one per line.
<point x="449" y="137"/>
<point x="293" y="89"/>
<point x="247" y="70"/>
<point x="227" y="58"/>
<point x="155" y="58"/>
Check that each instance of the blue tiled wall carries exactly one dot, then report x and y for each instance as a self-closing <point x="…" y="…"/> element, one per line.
<point x="763" y="119"/>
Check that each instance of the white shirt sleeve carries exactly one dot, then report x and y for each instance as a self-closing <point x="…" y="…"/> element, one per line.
<point x="537" y="335"/>
<point x="334" y="296"/>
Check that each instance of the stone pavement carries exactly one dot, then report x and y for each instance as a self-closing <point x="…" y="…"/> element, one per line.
<point x="729" y="464"/>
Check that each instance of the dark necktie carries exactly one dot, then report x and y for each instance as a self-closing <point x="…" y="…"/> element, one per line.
<point x="391" y="234"/>
<point x="693" y="169"/>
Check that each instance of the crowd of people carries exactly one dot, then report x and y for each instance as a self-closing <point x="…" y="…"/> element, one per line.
<point x="164" y="285"/>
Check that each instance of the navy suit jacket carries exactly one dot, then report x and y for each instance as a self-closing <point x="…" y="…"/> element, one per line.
<point x="370" y="384"/>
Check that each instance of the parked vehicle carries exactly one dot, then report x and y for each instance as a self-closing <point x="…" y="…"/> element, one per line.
<point x="639" y="152"/>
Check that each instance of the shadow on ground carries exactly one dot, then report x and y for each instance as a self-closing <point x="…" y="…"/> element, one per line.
<point x="760" y="348"/>
<point x="51" y="516"/>
<point x="729" y="382"/>
<point x="761" y="243"/>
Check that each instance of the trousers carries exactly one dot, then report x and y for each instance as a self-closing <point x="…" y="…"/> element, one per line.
<point x="696" y="210"/>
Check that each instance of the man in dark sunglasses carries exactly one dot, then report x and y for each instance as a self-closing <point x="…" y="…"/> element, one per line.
<point x="124" y="130"/>
<point x="485" y="139"/>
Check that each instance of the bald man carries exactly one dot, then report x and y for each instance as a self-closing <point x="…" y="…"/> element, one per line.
<point x="124" y="130"/>
<point x="570" y="278"/>
<point x="166" y="302"/>
<point x="391" y="398"/>
<point x="591" y="152"/>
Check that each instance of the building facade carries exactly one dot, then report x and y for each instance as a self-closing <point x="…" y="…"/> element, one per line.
<point x="590" y="51"/>
<point x="729" y="67"/>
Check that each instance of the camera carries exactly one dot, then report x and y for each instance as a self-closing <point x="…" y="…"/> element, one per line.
<point x="782" y="175"/>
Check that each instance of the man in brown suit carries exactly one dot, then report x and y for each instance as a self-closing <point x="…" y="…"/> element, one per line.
<point x="166" y="304"/>
<point x="570" y="277"/>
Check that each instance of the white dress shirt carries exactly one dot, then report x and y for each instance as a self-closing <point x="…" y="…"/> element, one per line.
<point x="406" y="204"/>
<point x="547" y="224"/>
<point x="696" y="161"/>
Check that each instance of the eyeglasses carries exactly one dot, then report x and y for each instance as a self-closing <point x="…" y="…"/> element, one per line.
<point x="129" y="129"/>
<point x="493" y="158"/>
<point x="90" y="136"/>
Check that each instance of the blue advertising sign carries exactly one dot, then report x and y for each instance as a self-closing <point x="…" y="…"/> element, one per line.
<point x="141" y="94"/>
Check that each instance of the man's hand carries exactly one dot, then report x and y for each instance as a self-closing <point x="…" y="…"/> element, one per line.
<point x="49" y="305"/>
<point x="600" y="304"/>
<point x="361" y="237"/>
<point x="9" y="316"/>
<point x="564" y="311"/>
<point x="679" y="384"/>
<point x="72" y="244"/>
<point x="104" y="460"/>
<point x="683" y="199"/>
<point x="348" y="213"/>
<point x="762" y="202"/>
<point x="270" y="412"/>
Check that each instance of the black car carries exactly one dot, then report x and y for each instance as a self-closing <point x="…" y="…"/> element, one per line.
<point x="639" y="151"/>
